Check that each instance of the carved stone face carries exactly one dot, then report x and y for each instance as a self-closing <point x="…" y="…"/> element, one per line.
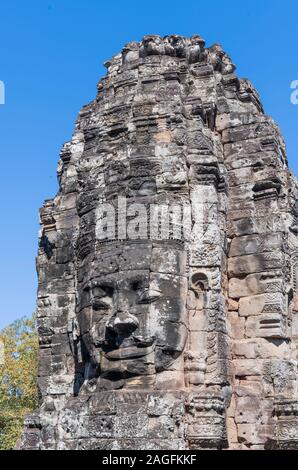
<point x="152" y="45"/>
<point x="178" y="43"/>
<point x="132" y="319"/>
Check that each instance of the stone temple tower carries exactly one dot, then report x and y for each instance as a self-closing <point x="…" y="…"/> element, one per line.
<point x="153" y="336"/>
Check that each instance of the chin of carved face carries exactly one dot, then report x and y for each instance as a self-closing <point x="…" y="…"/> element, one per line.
<point x="133" y="322"/>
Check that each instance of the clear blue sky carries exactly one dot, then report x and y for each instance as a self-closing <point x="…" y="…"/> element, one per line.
<point x="50" y="61"/>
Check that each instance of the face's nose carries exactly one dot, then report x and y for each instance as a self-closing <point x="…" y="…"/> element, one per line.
<point x="123" y="324"/>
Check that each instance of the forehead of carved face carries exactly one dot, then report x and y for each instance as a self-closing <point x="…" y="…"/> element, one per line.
<point x="132" y="305"/>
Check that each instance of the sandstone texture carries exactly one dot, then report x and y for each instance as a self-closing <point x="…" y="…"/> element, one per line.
<point x="169" y="342"/>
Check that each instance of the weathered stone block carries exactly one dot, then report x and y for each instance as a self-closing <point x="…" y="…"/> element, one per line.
<point x="246" y="349"/>
<point x="248" y="409"/>
<point x="252" y="305"/>
<point x="247" y="367"/>
<point x="256" y="263"/>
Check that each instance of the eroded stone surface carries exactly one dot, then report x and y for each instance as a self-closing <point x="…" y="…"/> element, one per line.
<point x="180" y="343"/>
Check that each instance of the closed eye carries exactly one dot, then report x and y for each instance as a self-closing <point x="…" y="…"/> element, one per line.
<point x="148" y="296"/>
<point x="109" y="290"/>
<point x="99" y="304"/>
<point x="102" y="291"/>
<point x="136" y="285"/>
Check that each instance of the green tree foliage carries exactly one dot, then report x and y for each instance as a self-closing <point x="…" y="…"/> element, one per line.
<point x="18" y="374"/>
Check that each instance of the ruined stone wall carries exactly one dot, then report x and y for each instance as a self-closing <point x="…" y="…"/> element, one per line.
<point x="176" y="342"/>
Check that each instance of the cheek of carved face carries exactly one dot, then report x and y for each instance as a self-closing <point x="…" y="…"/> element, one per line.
<point x="94" y="305"/>
<point x="93" y="334"/>
<point x="167" y="317"/>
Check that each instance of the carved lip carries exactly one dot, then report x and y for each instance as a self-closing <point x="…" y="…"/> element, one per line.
<point x="130" y="352"/>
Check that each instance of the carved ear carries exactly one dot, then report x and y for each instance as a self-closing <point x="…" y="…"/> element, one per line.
<point x="199" y="282"/>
